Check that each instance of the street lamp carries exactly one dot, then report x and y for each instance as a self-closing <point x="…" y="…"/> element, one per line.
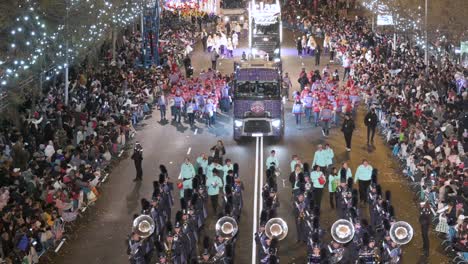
<point x="67" y="30"/>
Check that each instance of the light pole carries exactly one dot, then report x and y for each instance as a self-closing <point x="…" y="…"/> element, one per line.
<point x="425" y="36"/>
<point x="66" y="54"/>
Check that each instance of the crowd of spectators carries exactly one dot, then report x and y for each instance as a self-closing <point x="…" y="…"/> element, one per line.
<point x="54" y="159"/>
<point x="424" y="117"/>
<point x="422" y="110"/>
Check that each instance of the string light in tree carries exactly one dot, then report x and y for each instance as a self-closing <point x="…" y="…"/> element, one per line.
<point x="29" y="35"/>
<point x="28" y="39"/>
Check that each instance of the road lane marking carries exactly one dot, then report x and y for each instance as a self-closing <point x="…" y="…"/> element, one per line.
<point x="196" y="131"/>
<point x="188" y="151"/>
<point x="60" y="245"/>
<point x="254" y="245"/>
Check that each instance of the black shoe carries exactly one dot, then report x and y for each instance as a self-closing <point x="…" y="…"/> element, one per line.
<point x="136" y="179"/>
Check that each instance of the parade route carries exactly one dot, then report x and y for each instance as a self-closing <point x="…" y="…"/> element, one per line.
<point x="107" y="224"/>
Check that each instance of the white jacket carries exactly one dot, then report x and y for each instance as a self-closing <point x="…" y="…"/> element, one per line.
<point x="49" y="151"/>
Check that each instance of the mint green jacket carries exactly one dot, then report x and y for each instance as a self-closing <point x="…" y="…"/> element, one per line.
<point x="270" y="160"/>
<point x="363" y="173"/>
<point x="202" y="164"/>
<point x="209" y="168"/>
<point x="187" y="171"/>
<point x="329" y="156"/>
<point x="214" y="184"/>
<point x="314" y="176"/>
<point x="320" y="158"/>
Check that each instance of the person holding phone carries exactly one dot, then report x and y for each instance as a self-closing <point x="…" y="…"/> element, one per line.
<point x="213" y="185"/>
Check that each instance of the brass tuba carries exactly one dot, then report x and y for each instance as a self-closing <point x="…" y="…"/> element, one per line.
<point x="401" y="233"/>
<point x="143" y="226"/>
<point x="342" y="231"/>
<point x="276" y="228"/>
<point x="226" y="227"/>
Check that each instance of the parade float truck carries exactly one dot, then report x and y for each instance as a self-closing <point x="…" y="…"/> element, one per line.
<point x="234" y="11"/>
<point x="265" y="30"/>
<point x="258" y="108"/>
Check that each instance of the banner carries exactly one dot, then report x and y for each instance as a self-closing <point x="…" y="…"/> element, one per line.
<point x="384" y="20"/>
<point x="193" y="7"/>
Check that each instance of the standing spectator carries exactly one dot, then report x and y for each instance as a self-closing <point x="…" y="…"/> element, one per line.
<point x="320" y="158"/>
<point x="191" y="112"/>
<point x="363" y="177"/>
<point x="316" y="109"/>
<point x="213" y="184"/>
<point x="297" y="110"/>
<point x="162" y="106"/>
<point x="308" y="101"/>
<point x="237" y="29"/>
<point x="214" y="59"/>
<point x="333" y="182"/>
<point x="204" y="38"/>
<point x="209" y="112"/>
<point x="137" y="158"/>
<point x="371" y="123"/>
<point x="325" y="116"/>
<point x="318" y="181"/>
<point x="286" y="85"/>
<point x="235" y="40"/>
<point x="218" y="151"/>
<point x="348" y="128"/>
<point x="178" y="106"/>
<point x="229" y="48"/>
<point x="209" y="43"/>
<point x="228" y="28"/>
<point x="299" y="46"/>
<point x="332" y="53"/>
<point x="303" y="80"/>
<point x="346" y="66"/>
<point x="318" y="53"/>
<point x="187" y="171"/>
<point x="245" y="29"/>
<point x="425" y="221"/>
<point x="329" y="154"/>
<point x="187" y="65"/>
<point x="225" y="99"/>
<point x="272" y="160"/>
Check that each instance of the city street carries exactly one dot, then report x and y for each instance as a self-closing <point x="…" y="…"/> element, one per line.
<point x="100" y="237"/>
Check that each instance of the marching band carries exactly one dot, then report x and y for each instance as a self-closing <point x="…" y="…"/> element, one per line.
<point x="354" y="239"/>
<point x="154" y="237"/>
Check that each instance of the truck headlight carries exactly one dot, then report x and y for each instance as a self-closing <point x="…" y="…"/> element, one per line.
<point x="276" y="123"/>
<point x="276" y="51"/>
<point x="237" y="123"/>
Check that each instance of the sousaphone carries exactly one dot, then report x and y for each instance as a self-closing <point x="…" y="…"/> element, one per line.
<point x="226" y="227"/>
<point x="276" y="228"/>
<point x="342" y="231"/>
<point x="401" y="233"/>
<point x="143" y="226"/>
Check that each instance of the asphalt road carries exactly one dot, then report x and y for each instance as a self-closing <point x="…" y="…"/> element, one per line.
<point x="100" y="235"/>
